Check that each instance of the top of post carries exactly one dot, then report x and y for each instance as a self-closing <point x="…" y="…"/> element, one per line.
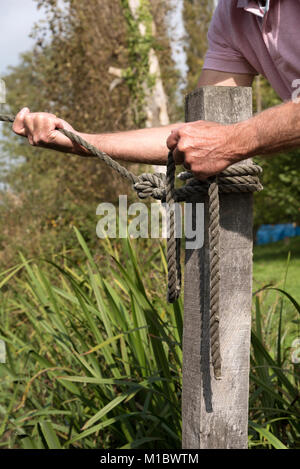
<point x="213" y="102"/>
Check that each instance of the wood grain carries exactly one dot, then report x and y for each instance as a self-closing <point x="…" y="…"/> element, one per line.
<point x="215" y="412"/>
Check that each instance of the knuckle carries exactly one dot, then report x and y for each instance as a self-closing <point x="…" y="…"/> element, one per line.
<point x="181" y="132"/>
<point x="40" y="120"/>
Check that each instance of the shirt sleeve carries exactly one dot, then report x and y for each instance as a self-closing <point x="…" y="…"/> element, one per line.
<point x="222" y="55"/>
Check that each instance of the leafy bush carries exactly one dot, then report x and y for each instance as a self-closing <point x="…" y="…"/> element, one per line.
<point x="274" y="392"/>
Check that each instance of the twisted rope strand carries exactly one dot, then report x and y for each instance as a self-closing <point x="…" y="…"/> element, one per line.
<point x="173" y="247"/>
<point x="93" y="150"/>
<point x="214" y="258"/>
<point x="235" y="179"/>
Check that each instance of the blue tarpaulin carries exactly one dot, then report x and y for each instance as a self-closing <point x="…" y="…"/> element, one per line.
<point x="272" y="233"/>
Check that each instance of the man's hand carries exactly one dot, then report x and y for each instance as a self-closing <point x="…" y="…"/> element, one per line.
<point x="41" y="130"/>
<point x="205" y="148"/>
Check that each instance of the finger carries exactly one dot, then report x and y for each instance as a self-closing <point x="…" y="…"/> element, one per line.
<point x="178" y="156"/>
<point x="30" y="139"/>
<point x="18" y="125"/>
<point x="40" y="126"/>
<point x="28" y="125"/>
<point x="58" y="138"/>
<point x="43" y="123"/>
<point x="173" y="139"/>
<point x="59" y="124"/>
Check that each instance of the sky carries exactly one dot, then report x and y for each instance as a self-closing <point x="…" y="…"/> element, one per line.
<point x="17" y="18"/>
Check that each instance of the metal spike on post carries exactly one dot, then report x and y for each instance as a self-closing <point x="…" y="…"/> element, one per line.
<point x="215" y="411"/>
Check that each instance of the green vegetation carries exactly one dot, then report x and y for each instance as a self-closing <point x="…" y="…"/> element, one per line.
<point x="137" y="75"/>
<point x="270" y="264"/>
<point x="274" y="390"/>
<point x="279" y="201"/>
<point x="92" y="362"/>
<point x="94" y="356"/>
<point x="197" y="15"/>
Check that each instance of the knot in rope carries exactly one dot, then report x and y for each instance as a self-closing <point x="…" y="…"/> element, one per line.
<point x="151" y="185"/>
<point x="235" y="179"/>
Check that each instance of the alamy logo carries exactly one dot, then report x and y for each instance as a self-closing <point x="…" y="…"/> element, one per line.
<point x="139" y="220"/>
<point x="296" y="93"/>
<point x="296" y="352"/>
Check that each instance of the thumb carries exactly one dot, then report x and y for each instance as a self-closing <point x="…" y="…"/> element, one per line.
<point x="62" y="124"/>
<point x="24" y="110"/>
<point x="18" y="125"/>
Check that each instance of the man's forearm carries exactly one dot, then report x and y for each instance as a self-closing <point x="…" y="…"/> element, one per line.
<point x="146" y="146"/>
<point x="274" y="130"/>
<point x="206" y="148"/>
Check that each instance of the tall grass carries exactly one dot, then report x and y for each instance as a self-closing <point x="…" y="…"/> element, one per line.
<point x="274" y="392"/>
<point x="92" y="363"/>
<point x="94" y="360"/>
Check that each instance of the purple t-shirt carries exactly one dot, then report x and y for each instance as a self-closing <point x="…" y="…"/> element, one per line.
<point x="242" y="39"/>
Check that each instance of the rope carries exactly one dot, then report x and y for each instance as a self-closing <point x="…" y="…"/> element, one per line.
<point x="214" y="259"/>
<point x="235" y="179"/>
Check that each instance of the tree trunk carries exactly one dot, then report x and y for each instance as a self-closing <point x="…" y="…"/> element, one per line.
<point x="155" y="97"/>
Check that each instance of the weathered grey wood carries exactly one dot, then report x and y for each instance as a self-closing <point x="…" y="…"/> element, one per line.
<point x="215" y="412"/>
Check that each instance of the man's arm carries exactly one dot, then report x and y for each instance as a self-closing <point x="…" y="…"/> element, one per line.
<point x="208" y="148"/>
<point x="142" y="146"/>
<point x="218" y="78"/>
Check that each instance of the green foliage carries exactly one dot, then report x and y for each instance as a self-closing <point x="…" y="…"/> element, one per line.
<point x="269" y="267"/>
<point x="146" y="31"/>
<point x="67" y="74"/>
<point x="137" y="74"/>
<point x="274" y="403"/>
<point x="85" y="40"/>
<point x="279" y="201"/>
<point x="197" y="15"/>
<point x="274" y="391"/>
<point x="264" y="96"/>
<point x="98" y="363"/>
<point x="94" y="357"/>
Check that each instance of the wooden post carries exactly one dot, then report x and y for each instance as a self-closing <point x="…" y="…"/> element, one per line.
<point x="215" y="412"/>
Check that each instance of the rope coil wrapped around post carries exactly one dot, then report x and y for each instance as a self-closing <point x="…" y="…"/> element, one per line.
<point x="235" y="179"/>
